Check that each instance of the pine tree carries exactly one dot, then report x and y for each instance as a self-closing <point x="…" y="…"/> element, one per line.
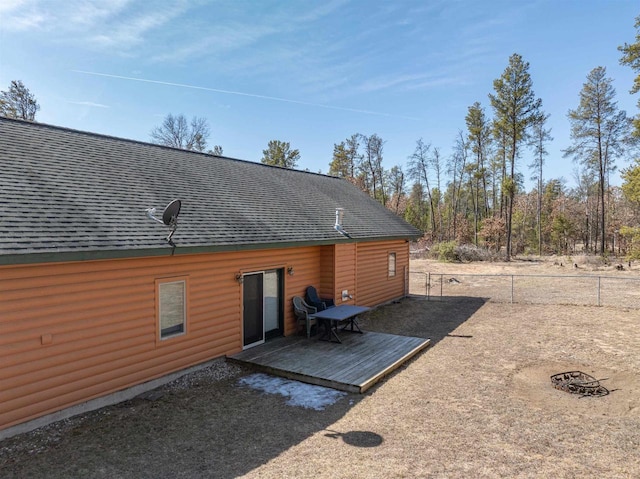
<point x="631" y="57"/>
<point x="345" y="158"/>
<point x="598" y="131"/>
<point x="516" y="110"/>
<point x="479" y="138"/>
<point x="279" y="153"/>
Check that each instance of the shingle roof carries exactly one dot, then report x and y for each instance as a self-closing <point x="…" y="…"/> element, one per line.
<point x="67" y="191"/>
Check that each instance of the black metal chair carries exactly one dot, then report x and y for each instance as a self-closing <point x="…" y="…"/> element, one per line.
<point x="304" y="312"/>
<point x="320" y="303"/>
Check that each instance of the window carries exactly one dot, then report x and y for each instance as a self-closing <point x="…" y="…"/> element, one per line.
<point x="171" y="307"/>
<point x="392" y="264"/>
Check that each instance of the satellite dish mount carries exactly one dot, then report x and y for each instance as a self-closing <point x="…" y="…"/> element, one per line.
<point x="169" y="218"/>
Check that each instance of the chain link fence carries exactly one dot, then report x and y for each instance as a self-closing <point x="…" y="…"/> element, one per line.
<point x="530" y="289"/>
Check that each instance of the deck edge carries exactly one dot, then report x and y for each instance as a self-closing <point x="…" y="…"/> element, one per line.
<point x="392" y="367"/>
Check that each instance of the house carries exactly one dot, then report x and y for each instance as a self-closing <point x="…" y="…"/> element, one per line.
<point x="95" y="300"/>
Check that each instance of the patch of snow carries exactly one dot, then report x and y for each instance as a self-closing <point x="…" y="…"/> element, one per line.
<point x="300" y="394"/>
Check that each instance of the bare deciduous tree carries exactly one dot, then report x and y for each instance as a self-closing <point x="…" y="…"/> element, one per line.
<point x="419" y="165"/>
<point x="176" y="132"/>
<point x="539" y="138"/>
<point x="396" y="186"/>
<point x="455" y="168"/>
<point x="370" y="167"/>
<point x="18" y="102"/>
<point x="217" y="150"/>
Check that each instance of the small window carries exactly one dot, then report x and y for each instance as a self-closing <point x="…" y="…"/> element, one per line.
<point x="392" y="264"/>
<point x="172" y="308"/>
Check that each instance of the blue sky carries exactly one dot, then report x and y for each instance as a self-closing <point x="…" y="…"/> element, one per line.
<point x="308" y="72"/>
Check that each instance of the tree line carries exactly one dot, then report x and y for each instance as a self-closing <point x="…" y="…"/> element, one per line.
<point x="177" y="132"/>
<point x="477" y="196"/>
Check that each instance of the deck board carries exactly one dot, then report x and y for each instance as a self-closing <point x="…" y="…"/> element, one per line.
<point x="355" y="365"/>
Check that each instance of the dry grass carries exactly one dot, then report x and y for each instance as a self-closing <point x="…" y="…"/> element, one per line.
<point x="478" y="403"/>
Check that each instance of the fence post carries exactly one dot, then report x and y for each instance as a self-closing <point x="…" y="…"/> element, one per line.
<point x="441" y="281"/>
<point x="598" y="290"/>
<point x="428" y="286"/>
<point x="511" y="289"/>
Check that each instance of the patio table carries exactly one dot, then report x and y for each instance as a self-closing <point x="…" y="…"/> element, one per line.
<point x="332" y="317"/>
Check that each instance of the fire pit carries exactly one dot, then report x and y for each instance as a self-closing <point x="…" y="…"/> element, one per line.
<point x="577" y="382"/>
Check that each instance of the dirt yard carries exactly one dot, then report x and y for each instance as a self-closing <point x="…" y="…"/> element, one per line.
<point x="478" y="403"/>
<point x="577" y="280"/>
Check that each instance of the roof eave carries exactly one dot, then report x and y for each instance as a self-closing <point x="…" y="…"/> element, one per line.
<point x="106" y="254"/>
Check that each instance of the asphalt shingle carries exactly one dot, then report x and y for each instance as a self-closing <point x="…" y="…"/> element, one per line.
<point x="71" y="191"/>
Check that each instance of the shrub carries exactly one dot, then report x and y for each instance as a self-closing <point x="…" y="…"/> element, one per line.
<point x="468" y="252"/>
<point x="596" y="261"/>
<point x="450" y="251"/>
<point x="445" y="251"/>
<point x="631" y="236"/>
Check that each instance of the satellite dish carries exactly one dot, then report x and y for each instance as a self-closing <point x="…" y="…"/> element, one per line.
<point x="169" y="218"/>
<point x="171" y="212"/>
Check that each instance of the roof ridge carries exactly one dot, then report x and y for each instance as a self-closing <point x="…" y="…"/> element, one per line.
<point x="145" y="143"/>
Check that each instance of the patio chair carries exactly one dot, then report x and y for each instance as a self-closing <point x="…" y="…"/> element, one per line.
<point x="304" y="312"/>
<point x="320" y="303"/>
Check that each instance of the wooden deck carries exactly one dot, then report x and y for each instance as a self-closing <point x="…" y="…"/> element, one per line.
<point x="354" y="366"/>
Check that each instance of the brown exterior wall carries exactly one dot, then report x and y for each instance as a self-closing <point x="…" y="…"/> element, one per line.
<point x="75" y="331"/>
<point x="373" y="285"/>
<point x="72" y="332"/>
<point x="327" y="272"/>
<point x="345" y="267"/>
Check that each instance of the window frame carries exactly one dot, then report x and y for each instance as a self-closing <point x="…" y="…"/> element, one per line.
<point x="392" y="273"/>
<point x="169" y="333"/>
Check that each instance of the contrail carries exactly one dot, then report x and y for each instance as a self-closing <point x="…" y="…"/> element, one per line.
<point x="252" y="95"/>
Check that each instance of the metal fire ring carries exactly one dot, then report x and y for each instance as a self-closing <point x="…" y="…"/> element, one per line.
<point x="577" y="382"/>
